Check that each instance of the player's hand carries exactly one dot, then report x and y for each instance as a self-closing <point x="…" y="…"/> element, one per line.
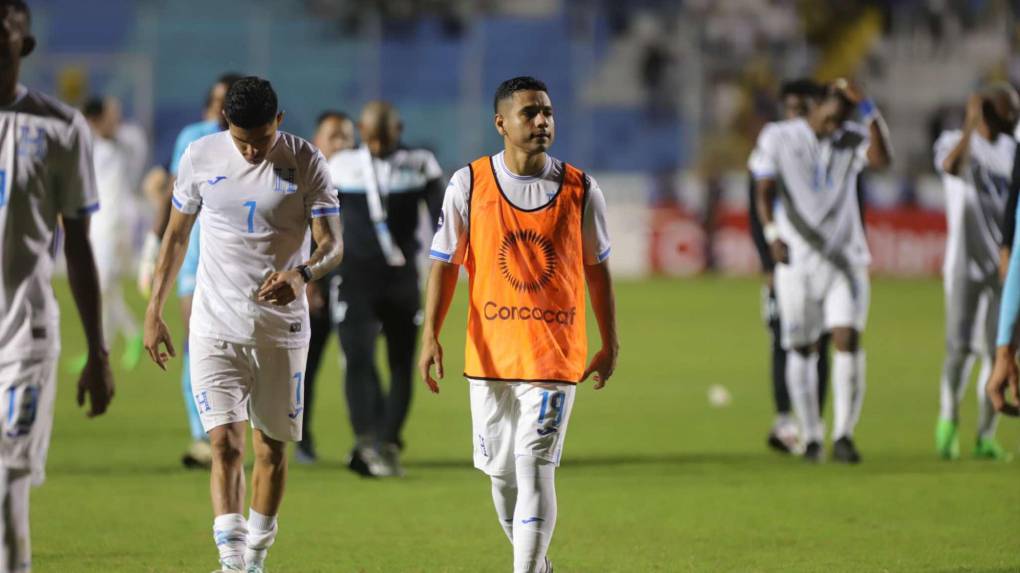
<point x="282" y="289"/>
<point x="975" y="112"/>
<point x="1005" y="375"/>
<point x="431" y="353"/>
<point x="155" y="334"/>
<point x="603" y="364"/>
<point x="779" y="251"/>
<point x="96" y="382"/>
<point x="316" y="298"/>
<point x="850" y="90"/>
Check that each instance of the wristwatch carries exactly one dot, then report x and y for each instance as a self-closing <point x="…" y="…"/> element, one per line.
<point x="306" y="273"/>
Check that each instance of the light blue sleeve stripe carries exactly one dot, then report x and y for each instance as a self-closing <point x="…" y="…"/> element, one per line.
<point x="603" y="255"/>
<point x="440" y="256"/>
<point x="325" y="211"/>
<point x="1009" y="308"/>
<point x="176" y="202"/>
<point x="89" y="209"/>
<point x="763" y="175"/>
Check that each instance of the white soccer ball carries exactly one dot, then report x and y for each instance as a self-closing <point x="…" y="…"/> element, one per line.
<point x="719" y="396"/>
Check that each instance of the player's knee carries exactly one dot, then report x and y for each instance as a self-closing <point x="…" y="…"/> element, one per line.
<point x="270" y="455"/>
<point x="227" y="448"/>
<point x="846" y="339"/>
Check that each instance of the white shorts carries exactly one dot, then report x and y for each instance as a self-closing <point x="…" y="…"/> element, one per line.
<point x="511" y="419"/>
<point x="236" y="382"/>
<point x="816" y="297"/>
<point x="27" y="392"/>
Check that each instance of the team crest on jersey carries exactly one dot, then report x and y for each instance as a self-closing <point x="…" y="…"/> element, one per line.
<point x="285" y="181"/>
<point x="527" y="260"/>
<point x="31" y="142"/>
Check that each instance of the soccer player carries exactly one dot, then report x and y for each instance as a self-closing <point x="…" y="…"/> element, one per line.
<point x="976" y="164"/>
<point x="198" y="454"/>
<point x="817" y="238"/>
<point x="382" y="184"/>
<point x="334" y="132"/>
<point x="46" y="178"/>
<point x="107" y="226"/>
<point x="257" y="190"/>
<point x="795" y="95"/>
<point x="531" y="231"/>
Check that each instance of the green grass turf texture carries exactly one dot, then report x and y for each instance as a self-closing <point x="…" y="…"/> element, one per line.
<point x="653" y="477"/>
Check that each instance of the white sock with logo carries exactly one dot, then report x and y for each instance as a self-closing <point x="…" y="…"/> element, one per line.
<point x="230" y="531"/>
<point x="504" y="497"/>
<point x="802" y="384"/>
<point x="848" y="392"/>
<point x="261" y="535"/>
<point x="535" y="513"/>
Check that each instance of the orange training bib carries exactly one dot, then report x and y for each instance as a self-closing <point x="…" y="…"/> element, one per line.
<point x="526" y="316"/>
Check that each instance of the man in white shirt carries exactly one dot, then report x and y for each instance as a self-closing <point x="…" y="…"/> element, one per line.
<point x="976" y="164"/>
<point x="531" y="231"/>
<point x="46" y="179"/>
<point x="817" y="238"/>
<point x="110" y="229"/>
<point x="257" y="190"/>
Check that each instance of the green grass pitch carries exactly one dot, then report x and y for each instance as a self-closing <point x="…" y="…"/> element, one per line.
<point x="653" y="478"/>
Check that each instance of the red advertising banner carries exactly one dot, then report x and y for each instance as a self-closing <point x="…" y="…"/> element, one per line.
<point x="904" y="242"/>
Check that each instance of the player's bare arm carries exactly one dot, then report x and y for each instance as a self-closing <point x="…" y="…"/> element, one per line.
<point x="764" y="198"/>
<point x="1005" y="378"/>
<point x="603" y="304"/>
<point x="282" y="288"/>
<point x="442" y="285"/>
<point x="96" y="380"/>
<point x="957" y="158"/>
<point x="171" y="256"/>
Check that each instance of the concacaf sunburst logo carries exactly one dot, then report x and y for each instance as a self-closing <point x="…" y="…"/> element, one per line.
<point x="527" y="260"/>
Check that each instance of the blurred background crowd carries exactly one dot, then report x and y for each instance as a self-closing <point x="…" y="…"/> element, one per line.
<point x="661" y="100"/>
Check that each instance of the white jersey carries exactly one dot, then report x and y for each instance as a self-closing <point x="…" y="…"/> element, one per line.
<point x="527" y="193"/>
<point x="975" y="203"/>
<point x="254" y="221"/>
<point x="113" y="185"/>
<point x="817" y="179"/>
<point x="45" y="171"/>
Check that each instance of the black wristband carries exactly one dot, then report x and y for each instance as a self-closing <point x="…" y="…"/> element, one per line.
<point x="306" y="273"/>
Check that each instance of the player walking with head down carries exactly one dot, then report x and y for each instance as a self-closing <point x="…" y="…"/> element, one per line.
<point x="976" y="164"/>
<point x="817" y="238"/>
<point x="46" y="176"/>
<point x="257" y="191"/>
<point x="531" y="231"/>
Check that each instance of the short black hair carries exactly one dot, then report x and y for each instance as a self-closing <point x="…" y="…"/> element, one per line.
<point x="227" y="80"/>
<point x="518" y="84"/>
<point x="331" y="114"/>
<point x="94" y="107"/>
<point x="19" y="6"/>
<point x="801" y="87"/>
<point x="251" y="102"/>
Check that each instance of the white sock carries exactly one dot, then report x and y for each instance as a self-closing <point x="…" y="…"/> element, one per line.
<point x="847" y="392"/>
<point x="987" y="417"/>
<point x="802" y="385"/>
<point x="261" y="535"/>
<point x="504" y="497"/>
<point x="16" y="547"/>
<point x="955" y="371"/>
<point x="230" y="531"/>
<point x="534" y="514"/>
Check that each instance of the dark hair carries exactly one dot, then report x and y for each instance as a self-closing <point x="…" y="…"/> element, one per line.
<point x="227" y="80"/>
<point x="94" y="107"/>
<point x="331" y="114"/>
<point x="251" y="102"/>
<point x="19" y="6"/>
<point x="518" y="84"/>
<point x="801" y="87"/>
